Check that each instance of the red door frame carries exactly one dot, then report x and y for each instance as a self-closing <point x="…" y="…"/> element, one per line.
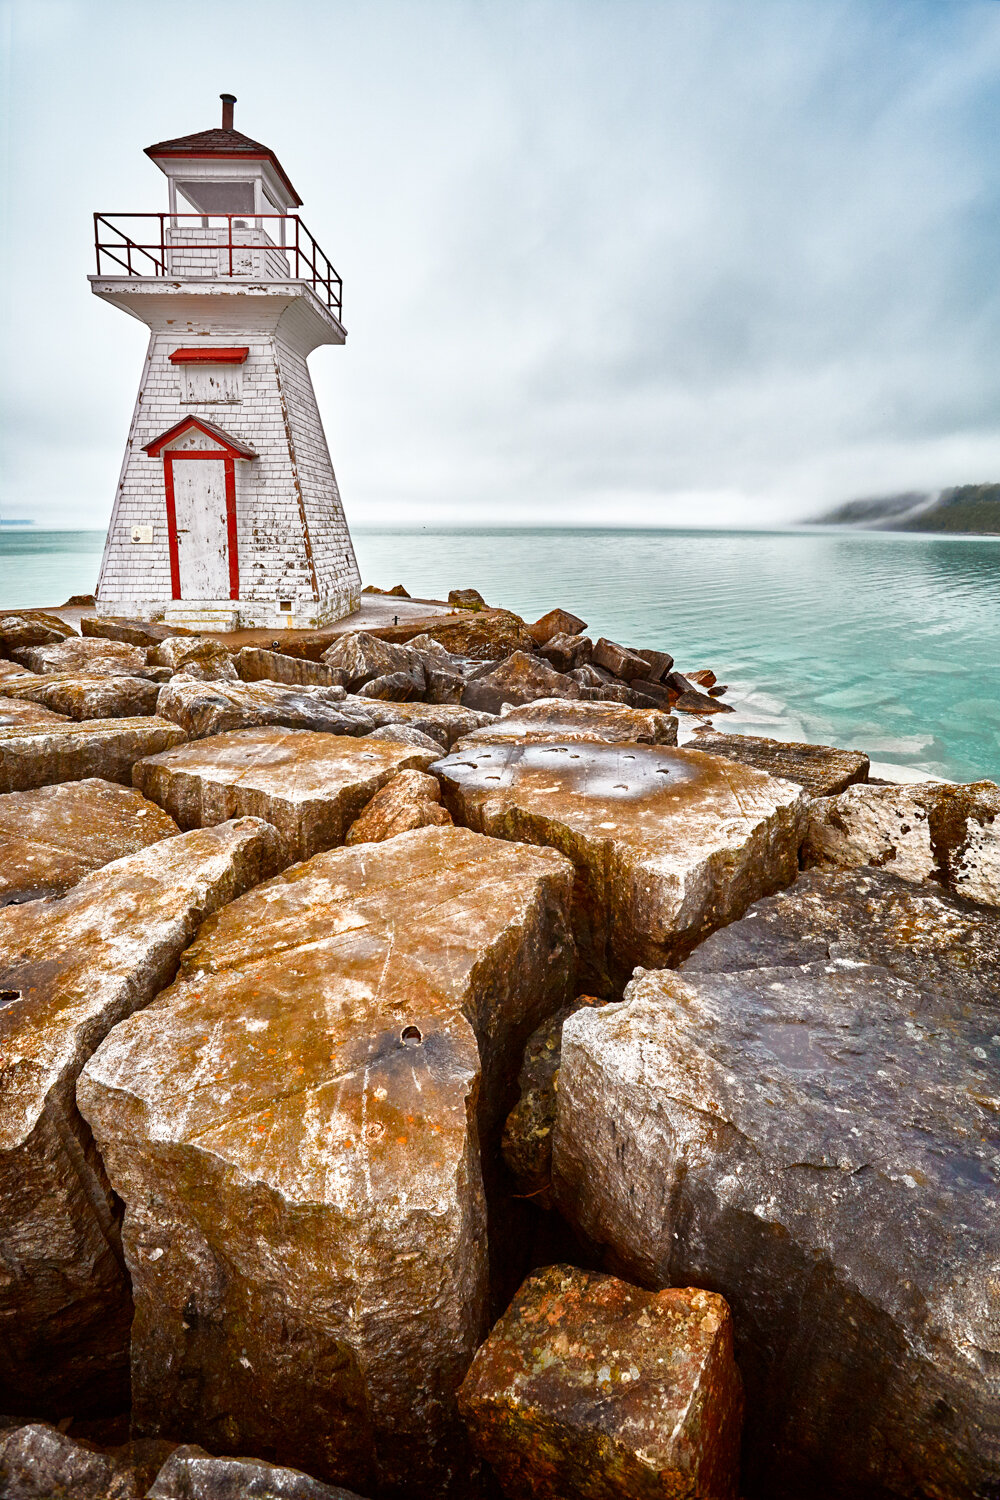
<point x="170" y="456"/>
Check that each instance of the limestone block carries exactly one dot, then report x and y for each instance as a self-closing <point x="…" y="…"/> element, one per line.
<point x="566" y="652"/>
<point x="37" y="755"/>
<point x="402" y="734"/>
<point x="311" y="787"/>
<point x="76" y="697"/>
<point x="178" y="649"/>
<point x="519" y="679"/>
<point x="255" y="664"/>
<point x="658" y="662"/>
<point x="203" y="708"/>
<point x="294" y="1128"/>
<point x="31" y="628"/>
<point x="820" y="1146"/>
<point x="37" y="1462"/>
<point x="17" y="711"/>
<point x="51" y="837"/>
<point x="84" y="658"/>
<point x="948" y="949"/>
<point x="821" y="769"/>
<point x="70" y="968"/>
<point x="145" y="633"/>
<point x="619" y="660"/>
<point x="392" y="687"/>
<point x="527" y="1133"/>
<point x="192" y="1474"/>
<point x="668" y="844"/>
<point x="935" y="831"/>
<point x="556" y="622"/>
<point x="410" y="799"/>
<point x="555" y="718"/>
<point x="361" y="657"/>
<point x="444" y="722"/>
<point x="588" y="1386"/>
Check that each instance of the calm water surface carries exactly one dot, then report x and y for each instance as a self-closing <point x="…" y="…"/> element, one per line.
<point x="887" y="642"/>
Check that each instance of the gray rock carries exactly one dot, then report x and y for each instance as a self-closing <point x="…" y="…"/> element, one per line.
<point x="37" y="1462"/>
<point x="821" y="769"/>
<point x="566" y="652"/>
<point x="192" y="1474"/>
<point x="817" y="1146"/>
<point x="519" y="679"/>
<point x="203" y="708"/>
<point x="181" y="652"/>
<point x="361" y="657"/>
<point x="948" y="949"/>
<point x="444" y="722"/>
<point x="392" y="687"/>
<point x="254" y="664"/>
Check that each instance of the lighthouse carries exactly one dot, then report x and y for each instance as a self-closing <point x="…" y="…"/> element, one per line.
<point x="227" y="514"/>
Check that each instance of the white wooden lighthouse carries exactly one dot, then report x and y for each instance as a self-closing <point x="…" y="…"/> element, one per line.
<point x="227" y="514"/>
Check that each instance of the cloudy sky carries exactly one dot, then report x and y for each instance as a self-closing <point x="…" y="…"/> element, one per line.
<point x="605" y="261"/>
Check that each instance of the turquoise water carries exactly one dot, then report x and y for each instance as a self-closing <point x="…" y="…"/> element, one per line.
<point x="884" y="641"/>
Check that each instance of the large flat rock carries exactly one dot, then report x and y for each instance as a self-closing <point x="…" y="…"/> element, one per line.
<point x="96" y="658"/>
<point x="668" y="844"/>
<point x="255" y="664"/>
<point x="561" y="720"/>
<point x="38" y="755"/>
<point x="823" y="770"/>
<point x="444" y="722"/>
<point x="70" y="968"/>
<point x="14" y="713"/>
<point x="949" y="949"/>
<point x="294" y="1128"/>
<point x="312" y="787"/>
<point x="54" y="835"/>
<point x="819" y="1147"/>
<point x="80" y="697"/>
<point x="589" y="1386"/>
<point x="212" y="708"/>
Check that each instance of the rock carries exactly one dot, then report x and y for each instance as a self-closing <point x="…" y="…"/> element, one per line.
<point x="519" y="679"/>
<point x="361" y="656"/>
<point x="527" y="1134"/>
<point x="37" y="1462"/>
<point x="701" y="703"/>
<point x="13" y="672"/>
<point x="947" y="948"/>
<point x="16" y="711"/>
<point x="203" y="709"/>
<point x="410" y="799"/>
<point x="601" y="692"/>
<point x="668" y="844"/>
<point x="659" y="664"/>
<point x="703" y="678"/>
<point x="567" y="652"/>
<point x="76" y="697"/>
<point x="311" y="787"/>
<point x="210" y="664"/>
<point x="443" y="722"/>
<point x="402" y="734"/>
<point x="393" y="687"/>
<point x="31" y="628"/>
<point x="144" y="633"/>
<point x="177" y="649"/>
<point x="680" y="683"/>
<point x="467" y="599"/>
<point x="556" y="719"/>
<point x="819" y="1145"/>
<point x="254" y="664"/>
<point x="821" y="769"/>
<point x="36" y="755"/>
<point x="84" y="658"/>
<point x="619" y="660"/>
<point x="192" y="1474"/>
<point x="445" y="674"/>
<point x="71" y="967"/>
<point x="932" y="831"/>
<point x="588" y="1386"/>
<point x="655" y="692"/>
<point x="486" y="635"/>
<point x="51" y="837"/>
<point x="294" y="1129"/>
<point x="556" y="622"/>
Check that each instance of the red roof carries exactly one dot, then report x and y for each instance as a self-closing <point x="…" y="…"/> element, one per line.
<point x="223" y="143"/>
<point x="234" y="446"/>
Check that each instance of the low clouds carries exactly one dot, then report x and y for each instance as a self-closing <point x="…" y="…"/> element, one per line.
<point x="666" y="263"/>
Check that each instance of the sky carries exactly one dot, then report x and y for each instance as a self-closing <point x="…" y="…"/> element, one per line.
<point x="606" y="262"/>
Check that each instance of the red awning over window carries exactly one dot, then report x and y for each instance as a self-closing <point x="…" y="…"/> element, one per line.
<point x="208" y="356"/>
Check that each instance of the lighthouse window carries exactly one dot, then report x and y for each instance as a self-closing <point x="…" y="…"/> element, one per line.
<point x="211" y="197"/>
<point x="220" y="385"/>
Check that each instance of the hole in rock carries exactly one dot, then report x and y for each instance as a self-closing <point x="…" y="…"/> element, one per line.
<point x="411" y="1036"/>
<point x="7" y="996"/>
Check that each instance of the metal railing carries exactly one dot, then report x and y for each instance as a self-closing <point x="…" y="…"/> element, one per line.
<point x="167" y="245"/>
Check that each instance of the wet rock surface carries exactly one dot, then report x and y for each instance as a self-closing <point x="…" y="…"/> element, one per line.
<point x="293" y="1127"/>
<point x="949" y="949"/>
<point x="818" y="1146"/>
<point x="70" y="968"/>
<point x="519" y="679"/>
<point x="821" y="769"/>
<point x="936" y="831"/>
<point x="84" y="657"/>
<point x="667" y="844"/>
<point x="553" y="718"/>
<point x="39" y="755"/>
<point x="410" y="799"/>
<point x="52" y="836"/>
<point x="210" y="708"/>
<point x="591" y="1387"/>
<point x="311" y="787"/>
<point x="527" y="1133"/>
<point x="38" y="1462"/>
<point x="255" y="664"/>
<point x="192" y="1474"/>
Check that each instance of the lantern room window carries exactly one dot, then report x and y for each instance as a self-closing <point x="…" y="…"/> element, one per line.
<point x="211" y="197"/>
